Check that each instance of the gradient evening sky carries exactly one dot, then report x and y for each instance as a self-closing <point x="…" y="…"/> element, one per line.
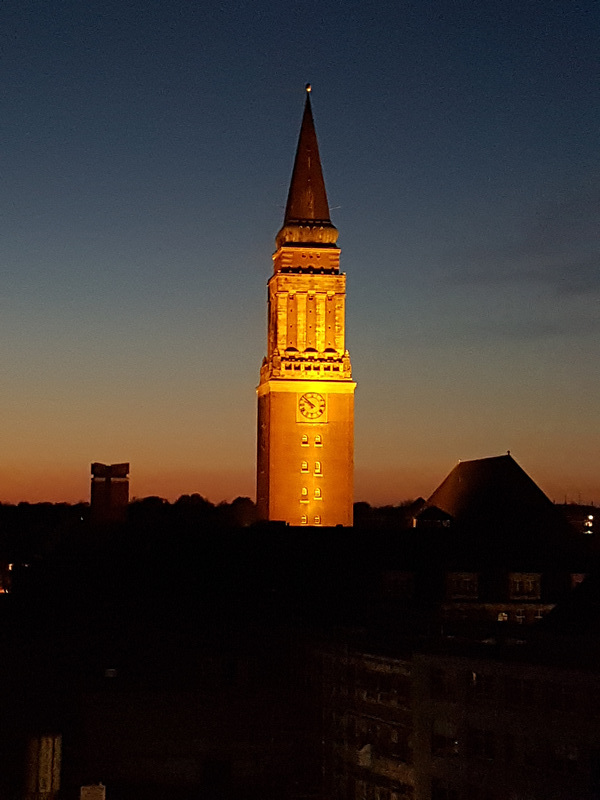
<point x="147" y="150"/>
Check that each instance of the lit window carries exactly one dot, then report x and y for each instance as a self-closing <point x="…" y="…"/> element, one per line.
<point x="318" y="440"/>
<point x="304" y="467"/>
<point x="317" y="493"/>
<point x="303" y="519"/>
<point x="304" y="491"/>
<point x="317" y="520"/>
<point x="317" y="467"/>
<point x="304" y="440"/>
<point x="524" y="586"/>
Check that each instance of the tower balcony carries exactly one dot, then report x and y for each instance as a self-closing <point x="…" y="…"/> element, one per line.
<point x="324" y="366"/>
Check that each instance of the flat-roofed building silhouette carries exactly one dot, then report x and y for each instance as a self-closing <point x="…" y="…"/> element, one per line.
<point x="110" y="492"/>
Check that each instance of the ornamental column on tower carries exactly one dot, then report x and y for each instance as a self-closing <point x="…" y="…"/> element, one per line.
<point x="305" y="462"/>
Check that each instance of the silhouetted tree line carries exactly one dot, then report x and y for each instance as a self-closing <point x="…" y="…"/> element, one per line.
<point x="193" y="509"/>
<point x="30" y="531"/>
<point x="387" y="517"/>
<point x="33" y="530"/>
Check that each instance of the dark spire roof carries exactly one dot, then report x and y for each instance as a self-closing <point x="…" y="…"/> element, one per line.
<point x="307" y="198"/>
<point x="306" y="218"/>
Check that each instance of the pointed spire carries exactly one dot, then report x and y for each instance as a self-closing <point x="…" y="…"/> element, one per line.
<point x="306" y="218"/>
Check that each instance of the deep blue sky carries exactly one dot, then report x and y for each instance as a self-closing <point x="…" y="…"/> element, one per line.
<point x="147" y="149"/>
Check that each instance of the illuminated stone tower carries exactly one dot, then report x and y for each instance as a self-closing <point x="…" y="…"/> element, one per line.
<point x="306" y="392"/>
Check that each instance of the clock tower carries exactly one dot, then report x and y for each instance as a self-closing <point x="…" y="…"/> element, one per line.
<point x="305" y="459"/>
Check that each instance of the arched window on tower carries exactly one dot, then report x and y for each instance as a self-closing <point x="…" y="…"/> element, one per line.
<point x="318" y="470"/>
<point x="318" y="440"/>
<point x="318" y="493"/>
<point x="304" y="466"/>
<point x="304" y="440"/>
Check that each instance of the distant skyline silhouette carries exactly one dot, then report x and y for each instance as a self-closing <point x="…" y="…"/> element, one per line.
<point x="148" y="150"/>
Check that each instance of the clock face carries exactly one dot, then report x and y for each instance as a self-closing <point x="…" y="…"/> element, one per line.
<point x="311" y="405"/>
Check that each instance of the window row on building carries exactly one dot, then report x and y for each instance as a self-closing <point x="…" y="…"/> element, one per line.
<point x="466" y="586"/>
<point x="317" y="441"/>
<point x="382" y="739"/>
<point x="474" y="586"/>
<point x="507" y="690"/>
<point x="317" y="494"/>
<point x="312" y="367"/>
<point x="356" y="683"/>
<point x="317" y="470"/>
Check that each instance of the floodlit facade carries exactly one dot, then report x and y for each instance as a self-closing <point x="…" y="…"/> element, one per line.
<point x="305" y="460"/>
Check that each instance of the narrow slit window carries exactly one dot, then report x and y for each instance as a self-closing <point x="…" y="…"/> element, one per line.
<point x="318" y="470"/>
<point x="317" y="520"/>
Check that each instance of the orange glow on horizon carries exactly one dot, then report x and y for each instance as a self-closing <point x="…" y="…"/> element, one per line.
<point x="54" y="481"/>
<point x="72" y="485"/>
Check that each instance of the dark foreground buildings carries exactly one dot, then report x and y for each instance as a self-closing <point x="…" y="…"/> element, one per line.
<point x="450" y="658"/>
<point x="476" y="675"/>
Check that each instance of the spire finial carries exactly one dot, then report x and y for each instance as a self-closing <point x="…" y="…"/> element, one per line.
<point x="308" y="88"/>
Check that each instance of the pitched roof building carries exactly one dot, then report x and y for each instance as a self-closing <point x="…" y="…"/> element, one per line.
<point x="500" y="511"/>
